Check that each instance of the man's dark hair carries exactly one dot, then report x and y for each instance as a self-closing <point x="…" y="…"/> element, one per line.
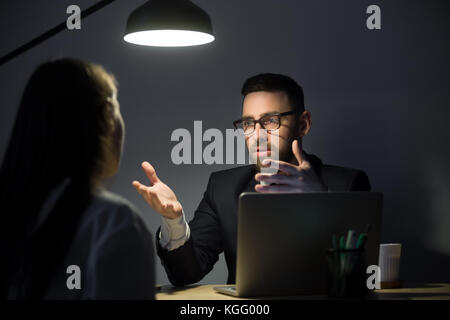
<point x="272" y="82"/>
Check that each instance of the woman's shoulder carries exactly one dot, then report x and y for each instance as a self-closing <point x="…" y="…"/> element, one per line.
<point x="105" y="198"/>
<point x="111" y="240"/>
<point x="111" y="212"/>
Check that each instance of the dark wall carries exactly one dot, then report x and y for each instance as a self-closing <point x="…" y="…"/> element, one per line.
<point x="379" y="99"/>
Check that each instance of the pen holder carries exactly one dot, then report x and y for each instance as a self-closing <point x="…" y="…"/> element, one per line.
<point x="346" y="273"/>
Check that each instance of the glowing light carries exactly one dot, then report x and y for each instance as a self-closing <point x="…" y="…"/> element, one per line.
<point x="169" y="38"/>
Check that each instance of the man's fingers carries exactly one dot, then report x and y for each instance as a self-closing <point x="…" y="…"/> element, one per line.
<point x="276" y="188"/>
<point x="137" y="184"/>
<point x="151" y="197"/>
<point x="283" y="166"/>
<point x="297" y="152"/>
<point x="150" y="172"/>
<point x="144" y="191"/>
<point x="276" y="178"/>
<point x="287" y="168"/>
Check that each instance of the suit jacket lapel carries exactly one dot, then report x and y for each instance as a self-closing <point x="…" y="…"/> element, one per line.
<point x="315" y="162"/>
<point x="250" y="187"/>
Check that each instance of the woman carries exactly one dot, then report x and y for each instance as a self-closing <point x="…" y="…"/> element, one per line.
<point x="64" y="236"/>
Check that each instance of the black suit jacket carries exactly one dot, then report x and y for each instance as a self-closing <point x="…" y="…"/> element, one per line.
<point x="213" y="229"/>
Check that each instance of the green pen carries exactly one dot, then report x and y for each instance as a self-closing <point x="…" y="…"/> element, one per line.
<point x="348" y="244"/>
<point x="341" y="243"/>
<point x="361" y="240"/>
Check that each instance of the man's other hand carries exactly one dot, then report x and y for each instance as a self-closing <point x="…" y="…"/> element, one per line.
<point x="290" y="178"/>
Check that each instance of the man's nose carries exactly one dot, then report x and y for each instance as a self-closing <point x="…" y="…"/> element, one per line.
<point x="257" y="127"/>
<point x="260" y="133"/>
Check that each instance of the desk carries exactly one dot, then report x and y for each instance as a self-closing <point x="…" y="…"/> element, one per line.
<point x="430" y="291"/>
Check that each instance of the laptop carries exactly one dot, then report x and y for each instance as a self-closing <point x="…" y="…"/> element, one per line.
<point x="283" y="239"/>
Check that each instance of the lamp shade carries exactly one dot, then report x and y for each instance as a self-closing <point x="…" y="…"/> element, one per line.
<point x="169" y="23"/>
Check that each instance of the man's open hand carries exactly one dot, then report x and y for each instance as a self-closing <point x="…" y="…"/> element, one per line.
<point x="159" y="196"/>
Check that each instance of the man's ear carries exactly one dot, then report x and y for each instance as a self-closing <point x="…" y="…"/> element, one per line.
<point x="304" y="123"/>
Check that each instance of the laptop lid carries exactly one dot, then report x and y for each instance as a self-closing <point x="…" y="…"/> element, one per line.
<point x="283" y="238"/>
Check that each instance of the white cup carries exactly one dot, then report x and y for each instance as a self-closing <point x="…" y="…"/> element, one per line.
<point x="389" y="263"/>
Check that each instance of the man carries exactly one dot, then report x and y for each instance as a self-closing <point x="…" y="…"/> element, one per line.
<point x="273" y="107"/>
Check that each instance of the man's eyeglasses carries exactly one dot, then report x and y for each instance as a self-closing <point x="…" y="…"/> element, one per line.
<point x="269" y="122"/>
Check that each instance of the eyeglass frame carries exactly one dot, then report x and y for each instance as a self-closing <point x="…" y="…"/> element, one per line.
<point x="279" y="115"/>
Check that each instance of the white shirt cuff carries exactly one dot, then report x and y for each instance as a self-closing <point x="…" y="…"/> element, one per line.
<point x="174" y="232"/>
